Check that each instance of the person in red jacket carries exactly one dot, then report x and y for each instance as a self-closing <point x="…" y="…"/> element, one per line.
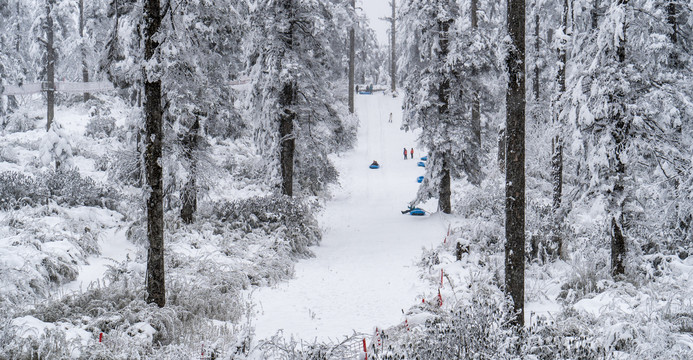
<point x="405" y="153"/>
<point x="412" y="153"/>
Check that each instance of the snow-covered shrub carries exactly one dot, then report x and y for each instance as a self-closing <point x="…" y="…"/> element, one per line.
<point x="131" y="328"/>
<point x="8" y="154"/>
<point x="100" y="125"/>
<point x="18" y="189"/>
<point x="587" y="277"/>
<point x="55" y="147"/>
<point x="291" y="217"/>
<point x="68" y="187"/>
<point x="19" y="122"/>
<point x="125" y="167"/>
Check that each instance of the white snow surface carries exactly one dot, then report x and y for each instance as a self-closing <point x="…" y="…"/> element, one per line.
<point x="364" y="272"/>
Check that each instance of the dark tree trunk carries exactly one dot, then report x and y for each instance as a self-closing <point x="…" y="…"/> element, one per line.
<point x="18" y="35"/>
<point x="352" y="59"/>
<point x="476" y="114"/>
<point x="501" y="150"/>
<point x="556" y="247"/>
<point x="189" y="196"/>
<point x="393" y="46"/>
<point x="286" y="134"/>
<point x="536" y="51"/>
<point x="444" y="203"/>
<point x="671" y="18"/>
<point x="50" y="65"/>
<point x="595" y="14"/>
<point x="287" y="102"/>
<point x="156" y="289"/>
<point x="444" y="195"/>
<point x="83" y="48"/>
<point x="620" y="136"/>
<point x="515" y="165"/>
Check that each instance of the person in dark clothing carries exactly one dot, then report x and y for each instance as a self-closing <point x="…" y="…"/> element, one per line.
<point x="412" y="153"/>
<point x="405" y="153"/>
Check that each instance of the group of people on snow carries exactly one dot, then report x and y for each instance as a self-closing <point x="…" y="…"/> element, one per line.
<point x="411" y="153"/>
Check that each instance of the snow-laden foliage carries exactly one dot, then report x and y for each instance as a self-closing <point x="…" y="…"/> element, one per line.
<point x="287" y="51"/>
<point x="625" y="113"/>
<point x="447" y="63"/>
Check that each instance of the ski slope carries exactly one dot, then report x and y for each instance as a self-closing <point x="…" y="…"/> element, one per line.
<point x="364" y="272"/>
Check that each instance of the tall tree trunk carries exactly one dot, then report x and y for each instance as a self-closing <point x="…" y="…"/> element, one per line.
<point x="501" y="150"/>
<point x="18" y="35"/>
<point x="287" y="102"/>
<point x="515" y="161"/>
<point x="444" y="193"/>
<point x="393" y="45"/>
<point x="156" y="289"/>
<point x="286" y="134"/>
<point x="620" y="137"/>
<point x="444" y="203"/>
<point x="83" y="48"/>
<point x="476" y="112"/>
<point x="671" y="19"/>
<point x="556" y="247"/>
<point x="352" y="59"/>
<point x="189" y="195"/>
<point x="595" y="14"/>
<point x="536" y="51"/>
<point x="50" y="65"/>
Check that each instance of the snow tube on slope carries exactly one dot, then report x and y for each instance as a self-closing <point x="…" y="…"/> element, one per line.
<point x="417" y="212"/>
<point x="421" y="163"/>
<point x="424" y="158"/>
<point x="365" y="92"/>
<point x="374" y="166"/>
<point x="419" y="179"/>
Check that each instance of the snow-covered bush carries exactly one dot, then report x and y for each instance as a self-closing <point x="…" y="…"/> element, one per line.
<point x="65" y="187"/>
<point x="19" y="122"/>
<point x="100" y="125"/>
<point x="291" y="217"/>
<point x="68" y="187"/>
<point x="8" y="154"/>
<point x="18" y="189"/>
<point x="55" y="147"/>
<point x="125" y="167"/>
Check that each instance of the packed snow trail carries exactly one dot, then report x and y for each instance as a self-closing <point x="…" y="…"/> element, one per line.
<point x="364" y="271"/>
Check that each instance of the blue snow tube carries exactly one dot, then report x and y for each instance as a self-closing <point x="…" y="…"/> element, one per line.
<point x="419" y="179"/>
<point x="421" y="163"/>
<point x="424" y="158"/>
<point x="417" y="212"/>
<point x="365" y="93"/>
<point x="374" y="166"/>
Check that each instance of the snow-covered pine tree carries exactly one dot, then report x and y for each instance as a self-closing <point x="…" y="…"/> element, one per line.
<point x="298" y="121"/>
<point x="628" y="108"/>
<point x="444" y="62"/>
<point x="369" y="58"/>
<point x="202" y="43"/>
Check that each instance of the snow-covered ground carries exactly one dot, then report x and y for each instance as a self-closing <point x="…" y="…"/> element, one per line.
<point x="364" y="272"/>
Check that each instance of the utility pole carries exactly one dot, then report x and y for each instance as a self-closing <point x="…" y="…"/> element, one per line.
<point x="352" y="60"/>
<point x="393" y="58"/>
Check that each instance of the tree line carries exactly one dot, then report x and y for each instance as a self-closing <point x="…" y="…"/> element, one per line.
<point x="605" y="82"/>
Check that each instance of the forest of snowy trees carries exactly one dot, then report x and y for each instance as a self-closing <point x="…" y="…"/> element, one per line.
<point x="203" y="138"/>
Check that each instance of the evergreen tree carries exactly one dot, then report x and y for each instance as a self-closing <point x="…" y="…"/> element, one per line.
<point x="628" y="104"/>
<point x="298" y="120"/>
